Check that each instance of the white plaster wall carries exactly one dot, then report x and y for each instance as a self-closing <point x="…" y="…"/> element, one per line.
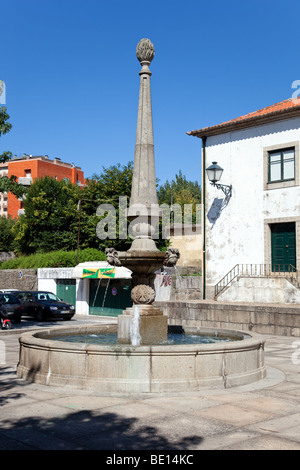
<point x="47" y="281"/>
<point x="82" y="296"/>
<point x="261" y="290"/>
<point x="55" y="273"/>
<point x="235" y="233"/>
<point x="48" y="285"/>
<point x="163" y="287"/>
<point x="287" y="205"/>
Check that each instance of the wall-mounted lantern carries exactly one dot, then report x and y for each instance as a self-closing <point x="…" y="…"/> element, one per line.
<point x="214" y="173"/>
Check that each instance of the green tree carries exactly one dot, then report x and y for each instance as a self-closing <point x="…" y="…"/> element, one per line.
<point x="56" y="212"/>
<point x="114" y="181"/>
<point x="105" y="189"/>
<point x="179" y="192"/>
<point x="50" y="221"/>
<point x="4" y="128"/>
<point x="6" y="234"/>
<point x="8" y="184"/>
<point x="11" y="185"/>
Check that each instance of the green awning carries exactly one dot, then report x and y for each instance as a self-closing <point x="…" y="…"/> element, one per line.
<point x="100" y="273"/>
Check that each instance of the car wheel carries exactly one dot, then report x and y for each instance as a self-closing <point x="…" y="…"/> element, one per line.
<point x="40" y="315"/>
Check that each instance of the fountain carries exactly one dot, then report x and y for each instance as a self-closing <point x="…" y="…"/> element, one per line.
<point x="141" y="359"/>
<point x="143" y="258"/>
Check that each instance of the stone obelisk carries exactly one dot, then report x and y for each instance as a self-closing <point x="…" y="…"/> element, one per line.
<point x="143" y="258"/>
<point x="143" y="201"/>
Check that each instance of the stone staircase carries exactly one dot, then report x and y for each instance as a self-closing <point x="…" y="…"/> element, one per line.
<point x="295" y="280"/>
<point x="259" y="283"/>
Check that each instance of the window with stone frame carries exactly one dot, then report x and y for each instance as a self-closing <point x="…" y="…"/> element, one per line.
<point x="281" y="165"/>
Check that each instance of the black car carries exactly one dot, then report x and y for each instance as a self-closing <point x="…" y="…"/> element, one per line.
<point x="11" y="306"/>
<point x="42" y="305"/>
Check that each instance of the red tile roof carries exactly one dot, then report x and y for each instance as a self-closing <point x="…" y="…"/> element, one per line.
<point x="283" y="110"/>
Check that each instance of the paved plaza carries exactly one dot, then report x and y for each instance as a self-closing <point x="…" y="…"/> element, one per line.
<point x="261" y="416"/>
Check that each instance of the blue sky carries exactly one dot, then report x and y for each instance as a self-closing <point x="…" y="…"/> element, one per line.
<point x="72" y="79"/>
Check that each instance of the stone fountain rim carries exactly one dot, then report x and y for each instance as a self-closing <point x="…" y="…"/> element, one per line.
<point x="42" y="339"/>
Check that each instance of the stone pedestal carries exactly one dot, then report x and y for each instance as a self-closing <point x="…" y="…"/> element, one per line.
<point x="153" y="325"/>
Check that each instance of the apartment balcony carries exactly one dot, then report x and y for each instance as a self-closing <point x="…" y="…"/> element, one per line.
<point x="25" y="180"/>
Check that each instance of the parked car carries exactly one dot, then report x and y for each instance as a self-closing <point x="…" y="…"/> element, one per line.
<point x="9" y="290"/>
<point x="42" y="305"/>
<point x="11" y="306"/>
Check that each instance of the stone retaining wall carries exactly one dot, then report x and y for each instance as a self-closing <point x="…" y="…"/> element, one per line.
<point x="283" y="320"/>
<point x="188" y="288"/>
<point x="11" y="279"/>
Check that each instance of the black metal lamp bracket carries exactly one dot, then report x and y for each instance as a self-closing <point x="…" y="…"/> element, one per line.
<point x="227" y="190"/>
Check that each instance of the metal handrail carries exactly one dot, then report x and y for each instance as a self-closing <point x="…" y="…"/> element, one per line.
<point x="227" y="279"/>
<point x="255" y="270"/>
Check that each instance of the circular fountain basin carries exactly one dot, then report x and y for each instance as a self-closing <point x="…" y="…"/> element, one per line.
<point x="47" y="357"/>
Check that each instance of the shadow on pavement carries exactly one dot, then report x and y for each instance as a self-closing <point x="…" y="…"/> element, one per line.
<point x="87" y="430"/>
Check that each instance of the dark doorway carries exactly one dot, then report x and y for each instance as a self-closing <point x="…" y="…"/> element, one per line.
<point x="283" y="242"/>
<point x="66" y="290"/>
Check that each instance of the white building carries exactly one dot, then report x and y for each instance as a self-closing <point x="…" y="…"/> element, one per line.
<point x="95" y="288"/>
<point x="259" y="224"/>
<point x="3" y="196"/>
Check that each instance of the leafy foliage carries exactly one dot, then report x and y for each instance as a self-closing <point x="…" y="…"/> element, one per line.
<point x="53" y="259"/>
<point x="4" y="128"/>
<point x="179" y="192"/>
<point x="51" y="217"/>
<point x="6" y="234"/>
<point x="57" y="212"/>
<point x="102" y="189"/>
<point x="11" y="185"/>
<point x="8" y="184"/>
<point x="113" y="182"/>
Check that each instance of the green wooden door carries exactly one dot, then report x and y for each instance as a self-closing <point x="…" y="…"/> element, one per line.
<point x="283" y="240"/>
<point x="109" y="297"/>
<point x="66" y="290"/>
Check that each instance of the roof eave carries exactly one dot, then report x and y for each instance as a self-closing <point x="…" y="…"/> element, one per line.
<point x="245" y="123"/>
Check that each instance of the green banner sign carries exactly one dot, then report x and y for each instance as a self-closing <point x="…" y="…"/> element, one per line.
<point x="98" y="273"/>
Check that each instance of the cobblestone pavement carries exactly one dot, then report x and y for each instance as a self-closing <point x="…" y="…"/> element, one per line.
<point x="261" y="416"/>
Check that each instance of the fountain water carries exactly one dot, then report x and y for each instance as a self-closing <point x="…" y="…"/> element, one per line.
<point x="105" y="293"/>
<point x="98" y="286"/>
<point x="141" y="360"/>
<point x="135" y="333"/>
